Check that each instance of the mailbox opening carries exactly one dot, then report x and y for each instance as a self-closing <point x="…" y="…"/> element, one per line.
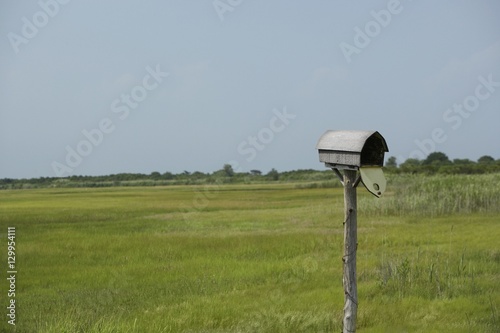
<point x="373" y="151"/>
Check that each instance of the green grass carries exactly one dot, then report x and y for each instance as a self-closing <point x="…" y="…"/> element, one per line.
<point x="247" y="258"/>
<point x="437" y="195"/>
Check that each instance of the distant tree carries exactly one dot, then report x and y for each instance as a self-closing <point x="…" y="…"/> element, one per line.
<point x="256" y="172"/>
<point x="155" y="175"/>
<point x="486" y="159"/>
<point x="273" y="175"/>
<point x="436" y="158"/>
<point x="7" y="180"/>
<point x="460" y="166"/>
<point x="411" y="162"/>
<point x="391" y="162"/>
<point x="411" y="165"/>
<point x="463" y="161"/>
<point x="228" y="170"/>
<point x="168" y="176"/>
<point x="197" y="175"/>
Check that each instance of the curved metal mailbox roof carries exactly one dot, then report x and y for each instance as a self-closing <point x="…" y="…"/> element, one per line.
<point x="351" y="141"/>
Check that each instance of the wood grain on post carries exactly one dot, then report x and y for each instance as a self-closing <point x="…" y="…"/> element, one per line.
<point x="349" y="258"/>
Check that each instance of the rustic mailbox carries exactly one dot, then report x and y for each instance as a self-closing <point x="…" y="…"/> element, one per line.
<point x="356" y="150"/>
<point x="352" y="149"/>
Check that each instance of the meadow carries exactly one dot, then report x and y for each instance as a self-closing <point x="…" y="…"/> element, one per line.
<point x="254" y="257"/>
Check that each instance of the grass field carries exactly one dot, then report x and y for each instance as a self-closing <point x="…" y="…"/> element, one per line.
<point x="251" y="258"/>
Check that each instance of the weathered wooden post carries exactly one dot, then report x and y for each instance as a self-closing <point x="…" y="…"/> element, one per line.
<point x="350" y="246"/>
<point x="352" y="151"/>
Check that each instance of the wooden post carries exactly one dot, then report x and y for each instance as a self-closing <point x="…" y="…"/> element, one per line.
<point x="350" y="247"/>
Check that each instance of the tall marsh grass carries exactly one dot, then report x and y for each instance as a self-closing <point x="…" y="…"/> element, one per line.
<point x="436" y="195"/>
<point x="257" y="258"/>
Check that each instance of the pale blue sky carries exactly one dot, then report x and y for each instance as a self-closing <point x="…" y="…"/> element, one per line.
<point x="230" y="73"/>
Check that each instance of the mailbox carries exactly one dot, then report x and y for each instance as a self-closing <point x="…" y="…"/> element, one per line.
<point x="356" y="150"/>
<point x="352" y="149"/>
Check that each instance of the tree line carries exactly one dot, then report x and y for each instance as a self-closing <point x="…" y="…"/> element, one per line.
<point x="439" y="163"/>
<point x="435" y="163"/>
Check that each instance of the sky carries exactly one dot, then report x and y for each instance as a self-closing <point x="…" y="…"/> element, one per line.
<point x="103" y="87"/>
